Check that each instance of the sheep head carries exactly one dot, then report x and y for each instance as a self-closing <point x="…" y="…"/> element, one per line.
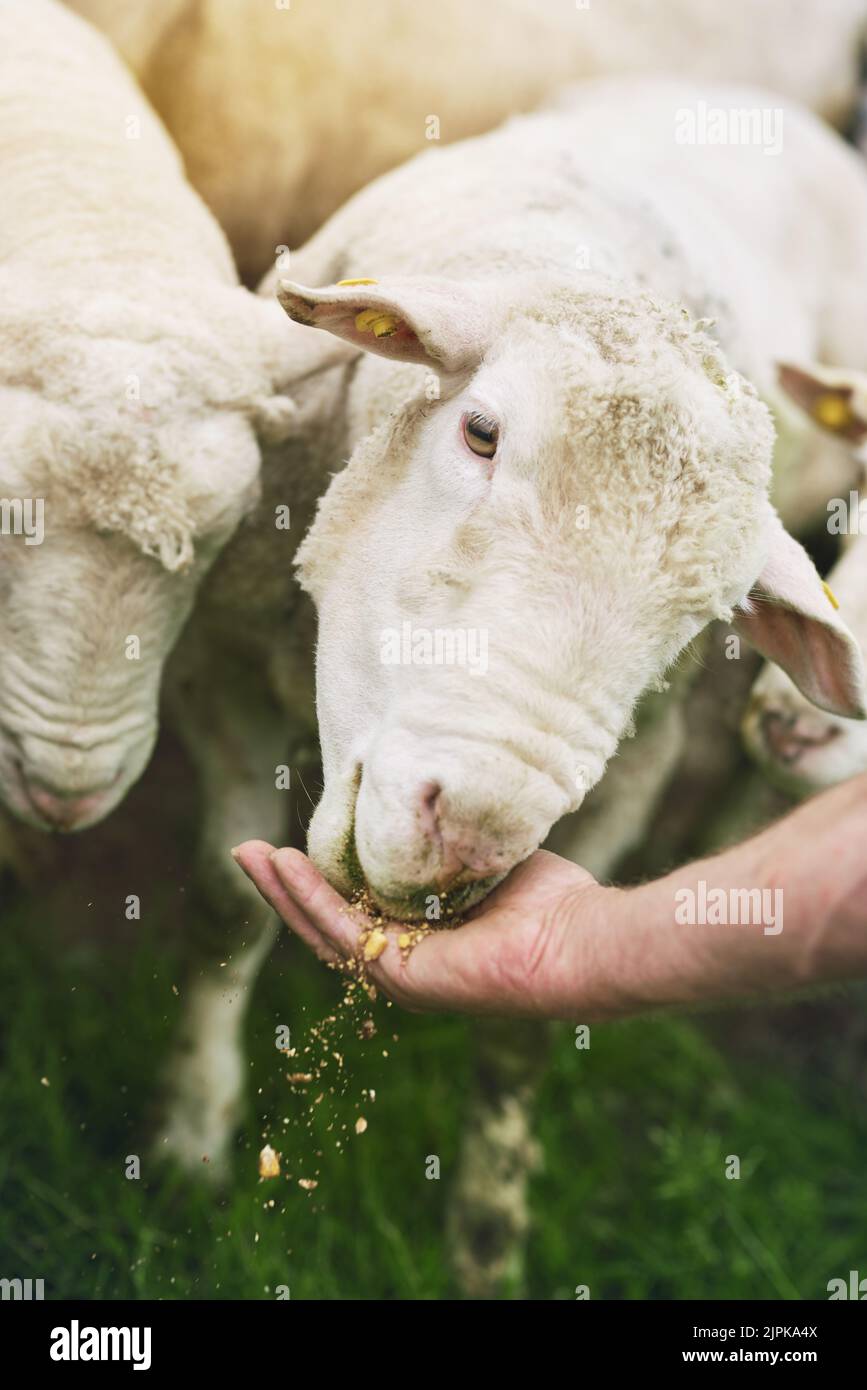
<point x="575" y="485"/>
<point x="130" y="429"/>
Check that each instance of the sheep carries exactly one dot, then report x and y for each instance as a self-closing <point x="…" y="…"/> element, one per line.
<point x="137" y="379"/>
<point x="283" y="111"/>
<point x="553" y="449"/>
<point x="456" y="296"/>
<point x="803" y="749"/>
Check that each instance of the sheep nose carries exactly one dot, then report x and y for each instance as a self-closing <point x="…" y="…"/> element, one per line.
<point x="63" y="812"/>
<point x="428" y="797"/>
<point x="789" y="736"/>
<point x="462" y="851"/>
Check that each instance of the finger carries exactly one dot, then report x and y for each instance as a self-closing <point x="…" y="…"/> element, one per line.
<point x="255" y="858"/>
<point x="338" y="923"/>
<point x="343" y="925"/>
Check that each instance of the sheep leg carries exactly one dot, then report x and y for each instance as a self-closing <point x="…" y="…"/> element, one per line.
<point x="488" y="1216"/>
<point x="237" y="739"/>
<point x="205" y="1080"/>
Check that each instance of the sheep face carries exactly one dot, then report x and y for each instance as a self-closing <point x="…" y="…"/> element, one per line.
<point x="504" y="568"/>
<point x="107" y="534"/>
<point x="129" y="414"/>
<point x="802" y="749"/>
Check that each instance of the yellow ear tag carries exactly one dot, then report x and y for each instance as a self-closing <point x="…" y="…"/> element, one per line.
<point x="376" y="322"/>
<point x="385" y="326"/>
<point x="829" y="595"/>
<point x="833" y="412"/>
<point x="358" y="282"/>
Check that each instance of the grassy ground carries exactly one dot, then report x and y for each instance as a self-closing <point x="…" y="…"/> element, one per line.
<point x="632" y="1200"/>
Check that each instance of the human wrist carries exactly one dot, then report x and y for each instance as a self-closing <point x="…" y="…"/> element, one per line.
<point x="619" y="954"/>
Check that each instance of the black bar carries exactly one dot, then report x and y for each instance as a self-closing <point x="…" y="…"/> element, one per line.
<point x="266" y="1338"/>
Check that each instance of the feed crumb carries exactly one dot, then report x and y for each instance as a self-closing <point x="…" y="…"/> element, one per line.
<point x="360" y="1125"/>
<point x="269" y="1163"/>
<point x="308" y="1184"/>
<point x="375" y="944"/>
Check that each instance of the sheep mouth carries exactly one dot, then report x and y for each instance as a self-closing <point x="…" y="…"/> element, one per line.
<point x="443" y="909"/>
<point x="446" y="907"/>
<point x="73" y="812"/>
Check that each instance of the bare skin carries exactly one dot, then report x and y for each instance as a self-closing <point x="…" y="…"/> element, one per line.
<point x="551" y="942"/>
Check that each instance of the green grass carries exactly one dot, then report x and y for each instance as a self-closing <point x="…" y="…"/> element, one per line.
<point x="632" y="1198"/>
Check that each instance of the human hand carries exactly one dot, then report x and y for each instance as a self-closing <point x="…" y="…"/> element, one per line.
<point x="551" y="942"/>
<point x="516" y="955"/>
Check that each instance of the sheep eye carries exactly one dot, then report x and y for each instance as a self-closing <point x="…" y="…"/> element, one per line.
<point x="481" y="434"/>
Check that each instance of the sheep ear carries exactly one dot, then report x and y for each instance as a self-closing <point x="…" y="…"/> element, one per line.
<point x="436" y="323"/>
<point x="835" y="400"/>
<point x="790" y="616"/>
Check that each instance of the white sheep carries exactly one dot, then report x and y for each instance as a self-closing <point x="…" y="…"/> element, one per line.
<point x="556" y="455"/>
<point x="801" y="748"/>
<point x="282" y="111"/>
<point x="584" y="372"/>
<point x="135" y="375"/>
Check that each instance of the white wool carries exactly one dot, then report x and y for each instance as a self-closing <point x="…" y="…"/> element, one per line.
<point x="127" y="385"/>
<point x="282" y="112"/>
<point x="119" y="299"/>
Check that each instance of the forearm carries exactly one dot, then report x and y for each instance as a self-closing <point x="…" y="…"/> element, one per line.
<point x="683" y="940"/>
